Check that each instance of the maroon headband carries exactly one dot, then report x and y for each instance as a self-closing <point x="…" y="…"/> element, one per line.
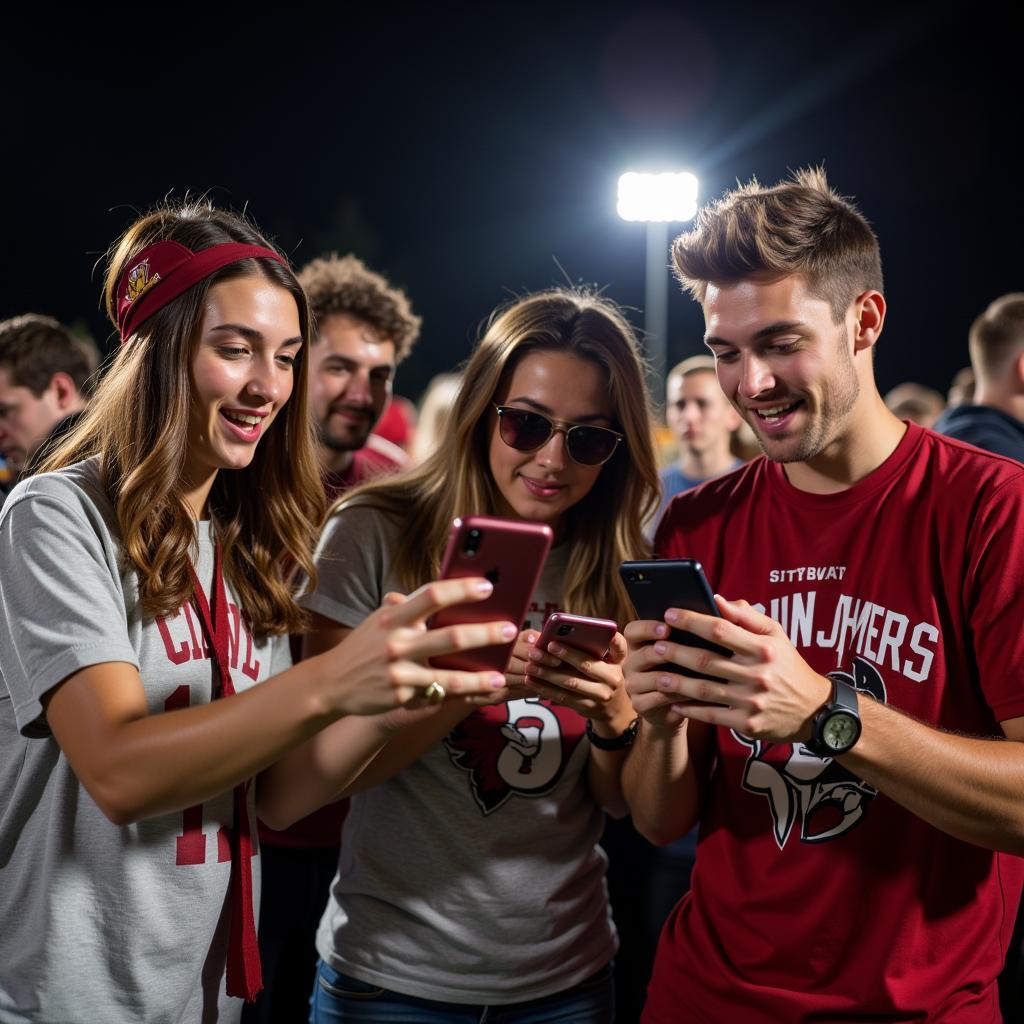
<point x="163" y="270"/>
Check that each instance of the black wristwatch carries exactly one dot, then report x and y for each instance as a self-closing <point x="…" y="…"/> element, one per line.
<point x="836" y="727"/>
<point x="620" y="742"/>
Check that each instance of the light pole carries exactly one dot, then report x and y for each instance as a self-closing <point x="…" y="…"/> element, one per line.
<point x="657" y="199"/>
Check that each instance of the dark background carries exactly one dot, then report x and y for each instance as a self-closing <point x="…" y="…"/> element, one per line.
<point x="471" y="151"/>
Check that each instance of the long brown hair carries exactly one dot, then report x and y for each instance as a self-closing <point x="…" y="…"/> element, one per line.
<point x="604" y="528"/>
<point x="265" y="515"/>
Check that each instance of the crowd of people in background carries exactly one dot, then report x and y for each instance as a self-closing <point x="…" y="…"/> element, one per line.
<point x="219" y="562"/>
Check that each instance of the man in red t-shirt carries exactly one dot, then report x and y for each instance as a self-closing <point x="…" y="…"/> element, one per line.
<point x="364" y="328"/>
<point x="860" y="806"/>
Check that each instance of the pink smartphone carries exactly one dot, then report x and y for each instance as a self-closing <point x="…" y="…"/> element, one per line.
<point x="511" y="555"/>
<point x="581" y="632"/>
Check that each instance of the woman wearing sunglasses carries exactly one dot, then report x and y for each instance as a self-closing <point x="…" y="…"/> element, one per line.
<point x="470" y="875"/>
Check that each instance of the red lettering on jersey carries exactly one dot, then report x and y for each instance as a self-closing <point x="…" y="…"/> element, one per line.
<point x="234" y="623"/>
<point x="177" y="655"/>
<point x="191" y="844"/>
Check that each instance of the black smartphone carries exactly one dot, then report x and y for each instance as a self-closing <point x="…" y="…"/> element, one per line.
<point x="655" y="586"/>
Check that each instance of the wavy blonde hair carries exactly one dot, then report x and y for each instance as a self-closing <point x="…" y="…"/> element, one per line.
<point x="604" y="527"/>
<point x="265" y="516"/>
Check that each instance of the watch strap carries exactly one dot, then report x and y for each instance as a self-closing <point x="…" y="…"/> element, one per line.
<point x="620" y="742"/>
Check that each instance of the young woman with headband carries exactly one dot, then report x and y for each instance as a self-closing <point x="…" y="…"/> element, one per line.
<point x="470" y="876"/>
<point x="140" y="578"/>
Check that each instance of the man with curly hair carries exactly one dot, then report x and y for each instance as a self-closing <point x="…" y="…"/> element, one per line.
<point x="365" y="327"/>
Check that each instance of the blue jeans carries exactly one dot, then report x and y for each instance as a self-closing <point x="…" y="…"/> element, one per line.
<point x="341" y="999"/>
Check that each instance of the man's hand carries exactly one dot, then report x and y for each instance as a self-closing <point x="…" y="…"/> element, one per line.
<point x="765" y="690"/>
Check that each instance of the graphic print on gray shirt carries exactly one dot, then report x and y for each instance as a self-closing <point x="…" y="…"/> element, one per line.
<point x="473" y="875"/>
<point x="102" y="922"/>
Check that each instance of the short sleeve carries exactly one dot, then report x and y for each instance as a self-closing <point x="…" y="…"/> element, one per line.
<point x="62" y="605"/>
<point x="353" y="565"/>
<point x="995" y="598"/>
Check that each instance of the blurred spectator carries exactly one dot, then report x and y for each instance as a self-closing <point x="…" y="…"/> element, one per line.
<point x="915" y="402"/>
<point x="994" y="419"/>
<point x="703" y="423"/>
<point x="961" y="390"/>
<point x="435" y="406"/>
<point x="45" y="380"/>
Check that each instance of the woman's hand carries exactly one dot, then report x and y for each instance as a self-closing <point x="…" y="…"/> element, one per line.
<point x="381" y="664"/>
<point x="592" y="686"/>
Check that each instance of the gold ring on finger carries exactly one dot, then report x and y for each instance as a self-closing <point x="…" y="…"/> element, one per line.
<point x="434" y="693"/>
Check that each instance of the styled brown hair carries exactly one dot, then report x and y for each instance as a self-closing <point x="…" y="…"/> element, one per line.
<point x="344" y="284"/>
<point x="33" y="348"/>
<point x="800" y="226"/>
<point x="997" y="336"/>
<point x="604" y="528"/>
<point x="265" y="515"/>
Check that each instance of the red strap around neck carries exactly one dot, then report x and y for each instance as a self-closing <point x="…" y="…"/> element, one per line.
<point x="244" y="972"/>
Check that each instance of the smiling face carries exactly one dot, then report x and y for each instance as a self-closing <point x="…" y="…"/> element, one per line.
<point x="791" y="372"/>
<point x="351" y="369"/>
<point x="542" y="485"/>
<point x="242" y="373"/>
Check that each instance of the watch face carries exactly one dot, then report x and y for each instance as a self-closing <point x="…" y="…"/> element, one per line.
<point x="840" y="731"/>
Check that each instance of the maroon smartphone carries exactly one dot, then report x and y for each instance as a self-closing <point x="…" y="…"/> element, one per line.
<point x="511" y="555"/>
<point x="581" y="632"/>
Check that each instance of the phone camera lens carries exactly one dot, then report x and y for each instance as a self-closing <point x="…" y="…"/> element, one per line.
<point x="633" y="577"/>
<point x="472" y="545"/>
<point x="564" y="630"/>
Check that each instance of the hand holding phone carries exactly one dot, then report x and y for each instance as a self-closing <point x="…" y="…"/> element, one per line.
<point x="655" y="586"/>
<point x="511" y="555"/>
<point x="580" y="632"/>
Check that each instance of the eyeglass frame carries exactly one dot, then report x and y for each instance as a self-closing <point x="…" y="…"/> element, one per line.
<point x="564" y="427"/>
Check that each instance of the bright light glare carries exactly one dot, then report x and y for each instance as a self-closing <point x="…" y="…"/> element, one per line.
<point x="657" y="196"/>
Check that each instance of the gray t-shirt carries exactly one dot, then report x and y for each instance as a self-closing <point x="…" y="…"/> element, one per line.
<point x="100" y="922"/>
<point x="474" y="875"/>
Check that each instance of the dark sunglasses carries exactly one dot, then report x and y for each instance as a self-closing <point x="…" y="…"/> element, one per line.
<point x="527" y="431"/>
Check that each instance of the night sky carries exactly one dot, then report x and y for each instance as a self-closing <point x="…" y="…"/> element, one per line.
<point x="471" y="152"/>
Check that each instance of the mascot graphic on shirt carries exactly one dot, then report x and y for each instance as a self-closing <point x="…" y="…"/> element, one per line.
<point x="517" y="748"/>
<point x="819" y="793"/>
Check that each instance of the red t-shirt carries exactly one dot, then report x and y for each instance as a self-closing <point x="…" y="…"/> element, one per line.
<point x="815" y="898"/>
<point x="323" y="826"/>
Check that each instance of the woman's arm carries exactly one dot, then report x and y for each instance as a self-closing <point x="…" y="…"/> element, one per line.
<point x="136" y="765"/>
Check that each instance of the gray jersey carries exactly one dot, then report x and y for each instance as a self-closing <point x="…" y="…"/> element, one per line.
<point x="473" y="875"/>
<point x="101" y="922"/>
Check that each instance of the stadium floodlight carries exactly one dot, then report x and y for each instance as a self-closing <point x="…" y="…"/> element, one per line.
<point x="657" y="200"/>
<point x="657" y="197"/>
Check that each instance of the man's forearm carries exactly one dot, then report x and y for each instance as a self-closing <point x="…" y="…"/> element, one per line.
<point x="968" y="787"/>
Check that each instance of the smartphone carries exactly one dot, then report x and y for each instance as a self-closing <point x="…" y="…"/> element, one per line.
<point x="656" y="586"/>
<point x="581" y="632"/>
<point x="511" y="555"/>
